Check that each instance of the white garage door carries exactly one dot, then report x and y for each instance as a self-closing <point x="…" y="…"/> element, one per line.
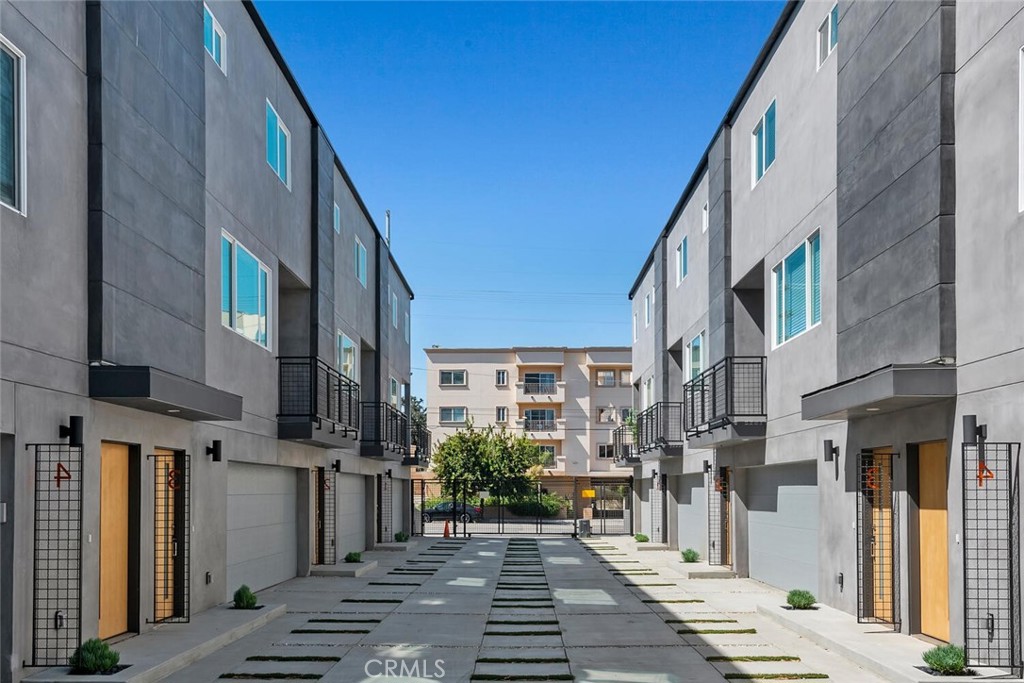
<point x="782" y="519"/>
<point x="262" y="534"/>
<point x="351" y="514"/>
<point x="692" y="513"/>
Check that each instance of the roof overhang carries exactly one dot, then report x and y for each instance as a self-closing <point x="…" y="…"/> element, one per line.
<point x="147" y="388"/>
<point x="889" y="389"/>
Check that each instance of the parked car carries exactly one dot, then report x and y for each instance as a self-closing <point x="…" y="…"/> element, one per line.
<point x="442" y="511"/>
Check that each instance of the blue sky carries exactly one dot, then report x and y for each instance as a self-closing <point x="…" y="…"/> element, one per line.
<point x="529" y="152"/>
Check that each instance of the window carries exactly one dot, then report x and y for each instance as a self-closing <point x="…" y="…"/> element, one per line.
<point x="695" y="356"/>
<point x="393" y="391"/>
<point x="796" y="295"/>
<point x="244" y="292"/>
<point x="606" y="378"/>
<point x="606" y="415"/>
<point x="501" y="378"/>
<point x="278" y="149"/>
<point x="625" y="414"/>
<point x="407" y="332"/>
<point x="453" y="378"/>
<point x="501" y="415"/>
<point x="12" y="131"/>
<point x="547" y="456"/>
<point x="704" y="218"/>
<point x="453" y="415"/>
<point x="540" y="419"/>
<point x="648" y="395"/>
<point x="625" y="378"/>
<point x="213" y="38"/>
<point x="347" y="355"/>
<point x="828" y="35"/>
<point x="403" y="395"/>
<point x="635" y="337"/>
<point x="647" y="308"/>
<point x="394" y="310"/>
<point x="763" y="139"/>
<point x="539" y="383"/>
<point x="360" y="253"/>
<point x="337" y="219"/>
<point x="682" y="267"/>
<point x="605" y="450"/>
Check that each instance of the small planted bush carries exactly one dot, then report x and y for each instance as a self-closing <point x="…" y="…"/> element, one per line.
<point x="401" y="536"/>
<point x="245" y="598"/>
<point x="353" y="557"/>
<point x="93" y="657"/>
<point x="690" y="555"/>
<point x="947" y="660"/>
<point x="800" y="599"/>
<point x="642" y="538"/>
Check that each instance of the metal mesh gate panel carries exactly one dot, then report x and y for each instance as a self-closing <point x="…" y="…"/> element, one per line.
<point x="172" y="485"/>
<point x="991" y="555"/>
<point x="718" y="515"/>
<point x="878" y="551"/>
<point x="385" y="509"/>
<point x="326" y="516"/>
<point x="57" y="578"/>
<point x="659" y="508"/>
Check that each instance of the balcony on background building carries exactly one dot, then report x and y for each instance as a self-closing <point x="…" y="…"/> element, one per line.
<point x="385" y="431"/>
<point x="543" y="429"/>
<point x="623" y="444"/>
<point x="660" y="426"/>
<point x="726" y="403"/>
<point x="316" y="403"/>
<point x="540" y="392"/>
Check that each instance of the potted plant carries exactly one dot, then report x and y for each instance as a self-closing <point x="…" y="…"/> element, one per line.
<point x="353" y="557"/>
<point x="691" y="555"/>
<point x="947" y="660"/>
<point x="800" y="599"/>
<point x="401" y="536"/>
<point x="245" y="598"/>
<point x="94" y="657"/>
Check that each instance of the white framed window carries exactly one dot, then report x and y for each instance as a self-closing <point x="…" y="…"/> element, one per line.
<point x="625" y="414"/>
<point x="214" y="38"/>
<point x="547" y="456"/>
<point x="394" y="310"/>
<point x="12" y="126"/>
<point x="336" y="219"/>
<point x="763" y="143"/>
<point x="407" y="330"/>
<point x="606" y="415"/>
<point x="828" y="35"/>
<point x="501" y="415"/>
<point x="695" y="357"/>
<point x="635" y="328"/>
<point x="453" y="414"/>
<point x="348" y="355"/>
<point x="648" y="394"/>
<point x="360" y="264"/>
<point x="501" y="378"/>
<point x="648" y="308"/>
<point x="279" y="153"/>
<point x="625" y="378"/>
<point x="682" y="258"/>
<point x="704" y="219"/>
<point x="605" y="378"/>
<point x="393" y="391"/>
<point x="245" y="292"/>
<point x="453" y="378"/>
<point x="796" y="291"/>
<point x="605" y="450"/>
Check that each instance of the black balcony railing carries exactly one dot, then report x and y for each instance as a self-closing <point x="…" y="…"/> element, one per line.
<point x="420" y="448"/>
<point x="623" y="445"/>
<point x="732" y="391"/>
<point x="660" y="425"/>
<point x="540" y="387"/>
<point x="539" y="425"/>
<point x="385" y="425"/>
<point x="310" y="389"/>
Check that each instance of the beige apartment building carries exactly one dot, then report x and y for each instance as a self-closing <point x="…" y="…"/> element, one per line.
<point x="567" y="399"/>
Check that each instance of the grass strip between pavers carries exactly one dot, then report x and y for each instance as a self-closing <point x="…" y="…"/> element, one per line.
<point x="774" y="677"/>
<point x="381" y="600"/>
<point x="544" y="606"/>
<point x="700" y="621"/>
<point x="714" y="631"/>
<point x="646" y="585"/>
<point x="522" y="677"/>
<point x="392" y="583"/>
<point x="669" y="602"/>
<point x="521" y="600"/>
<point x="548" y="622"/>
<point x="523" y="660"/>
<point x="522" y="633"/>
<point x="326" y="620"/>
<point x="330" y="630"/>
<point x="273" y="677"/>
<point x="292" y="658"/>
<point x="753" y="658"/>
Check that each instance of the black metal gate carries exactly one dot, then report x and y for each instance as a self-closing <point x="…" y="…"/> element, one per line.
<point x="991" y="555"/>
<point x="326" y="517"/>
<point x="385" y="509"/>
<point x="57" y="573"/>
<point x="172" y="486"/>
<point x="611" y="506"/>
<point x="878" y="550"/>
<point x="717" y="486"/>
<point x="659" y="508"/>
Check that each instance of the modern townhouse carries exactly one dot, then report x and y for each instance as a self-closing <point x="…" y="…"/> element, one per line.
<point x="204" y="353"/>
<point x="829" y="397"/>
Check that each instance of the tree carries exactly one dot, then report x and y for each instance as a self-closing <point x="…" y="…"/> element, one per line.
<point x="419" y="413"/>
<point x="472" y="460"/>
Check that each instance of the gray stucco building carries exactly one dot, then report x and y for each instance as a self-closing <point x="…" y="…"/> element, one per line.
<point x="192" y="286"/>
<point x="826" y="303"/>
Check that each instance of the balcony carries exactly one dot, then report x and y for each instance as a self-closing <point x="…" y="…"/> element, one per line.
<point x="540" y="392"/>
<point x="316" y="403"/>
<point x="419" y="449"/>
<point x="385" y="431"/>
<point x="543" y="429"/>
<point x="624" y="447"/>
<point x="726" y="404"/>
<point x="660" y="426"/>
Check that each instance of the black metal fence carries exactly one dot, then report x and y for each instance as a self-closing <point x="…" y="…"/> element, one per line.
<point x="57" y="554"/>
<point x="659" y="508"/>
<point x="172" y="485"/>
<point x="541" y="387"/>
<point x="385" y="425"/>
<point x="730" y="391"/>
<point x="991" y="491"/>
<point x="624" y="446"/>
<point x="385" y="509"/>
<point x="718" y="487"/>
<point x="324" y="481"/>
<point x="659" y="426"/>
<point x="878" y="550"/>
<point x="311" y="389"/>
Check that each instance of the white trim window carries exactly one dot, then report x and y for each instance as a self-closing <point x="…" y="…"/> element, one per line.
<point x="452" y="378"/>
<point x="360" y="264"/>
<point x="636" y="327"/>
<point x="501" y="415"/>
<point x="393" y="391"/>
<point x="501" y="378"/>
<point x="348" y="356"/>
<point x="762" y="141"/>
<point x="547" y="456"/>
<point x="452" y="415"/>
<point x="648" y="393"/>
<point x="648" y="308"/>
<point x="245" y="292"/>
<point x="336" y="219"/>
<point x="394" y="309"/>
<point x="605" y="450"/>
<point x="704" y="218"/>
<point x="606" y="415"/>
<point x="12" y="126"/>
<point x="605" y="378"/>
<point x="214" y="38"/>
<point x="407" y="330"/>
<point x="828" y="35"/>
<point x="682" y="261"/>
<point x="695" y="357"/>
<point x="279" y="148"/>
<point x="796" y="291"/>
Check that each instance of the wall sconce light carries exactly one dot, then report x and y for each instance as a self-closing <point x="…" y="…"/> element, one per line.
<point x="707" y="467"/>
<point x="336" y="466"/>
<point x="831" y="452"/>
<point x="214" y="450"/>
<point x="74" y="432"/>
<point x="388" y="473"/>
<point x="654" y="474"/>
<point x="973" y="432"/>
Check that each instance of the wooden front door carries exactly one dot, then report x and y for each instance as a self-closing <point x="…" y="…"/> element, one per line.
<point x="165" y="545"/>
<point x="933" y="581"/>
<point x="113" y="602"/>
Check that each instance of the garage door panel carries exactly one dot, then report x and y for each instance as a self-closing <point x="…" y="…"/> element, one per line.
<point x="351" y="513"/>
<point x="782" y="525"/>
<point x="262" y="536"/>
<point x="693" y="514"/>
<point x="260" y="510"/>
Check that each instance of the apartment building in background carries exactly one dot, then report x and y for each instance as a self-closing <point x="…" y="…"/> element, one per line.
<point x="204" y="353"/>
<point x="821" y="323"/>
<point x="568" y="400"/>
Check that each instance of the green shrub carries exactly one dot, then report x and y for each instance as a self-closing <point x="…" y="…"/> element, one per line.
<point x="547" y="506"/>
<point x="691" y="555"/>
<point x="354" y="557"/>
<point x="800" y="599"/>
<point x="642" y="538"/>
<point x="947" y="660"/>
<point x="401" y="536"/>
<point x="245" y="598"/>
<point x="93" y="657"/>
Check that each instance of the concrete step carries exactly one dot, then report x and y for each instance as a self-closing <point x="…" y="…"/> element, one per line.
<point x="349" y="569"/>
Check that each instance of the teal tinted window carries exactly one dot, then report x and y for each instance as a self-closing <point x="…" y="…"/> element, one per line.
<point x="815" y="246"/>
<point x="9" y="146"/>
<point x="834" y="24"/>
<point x="769" y="136"/>
<point x="272" y="137"/>
<point x="226" y="277"/>
<point x="796" y="292"/>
